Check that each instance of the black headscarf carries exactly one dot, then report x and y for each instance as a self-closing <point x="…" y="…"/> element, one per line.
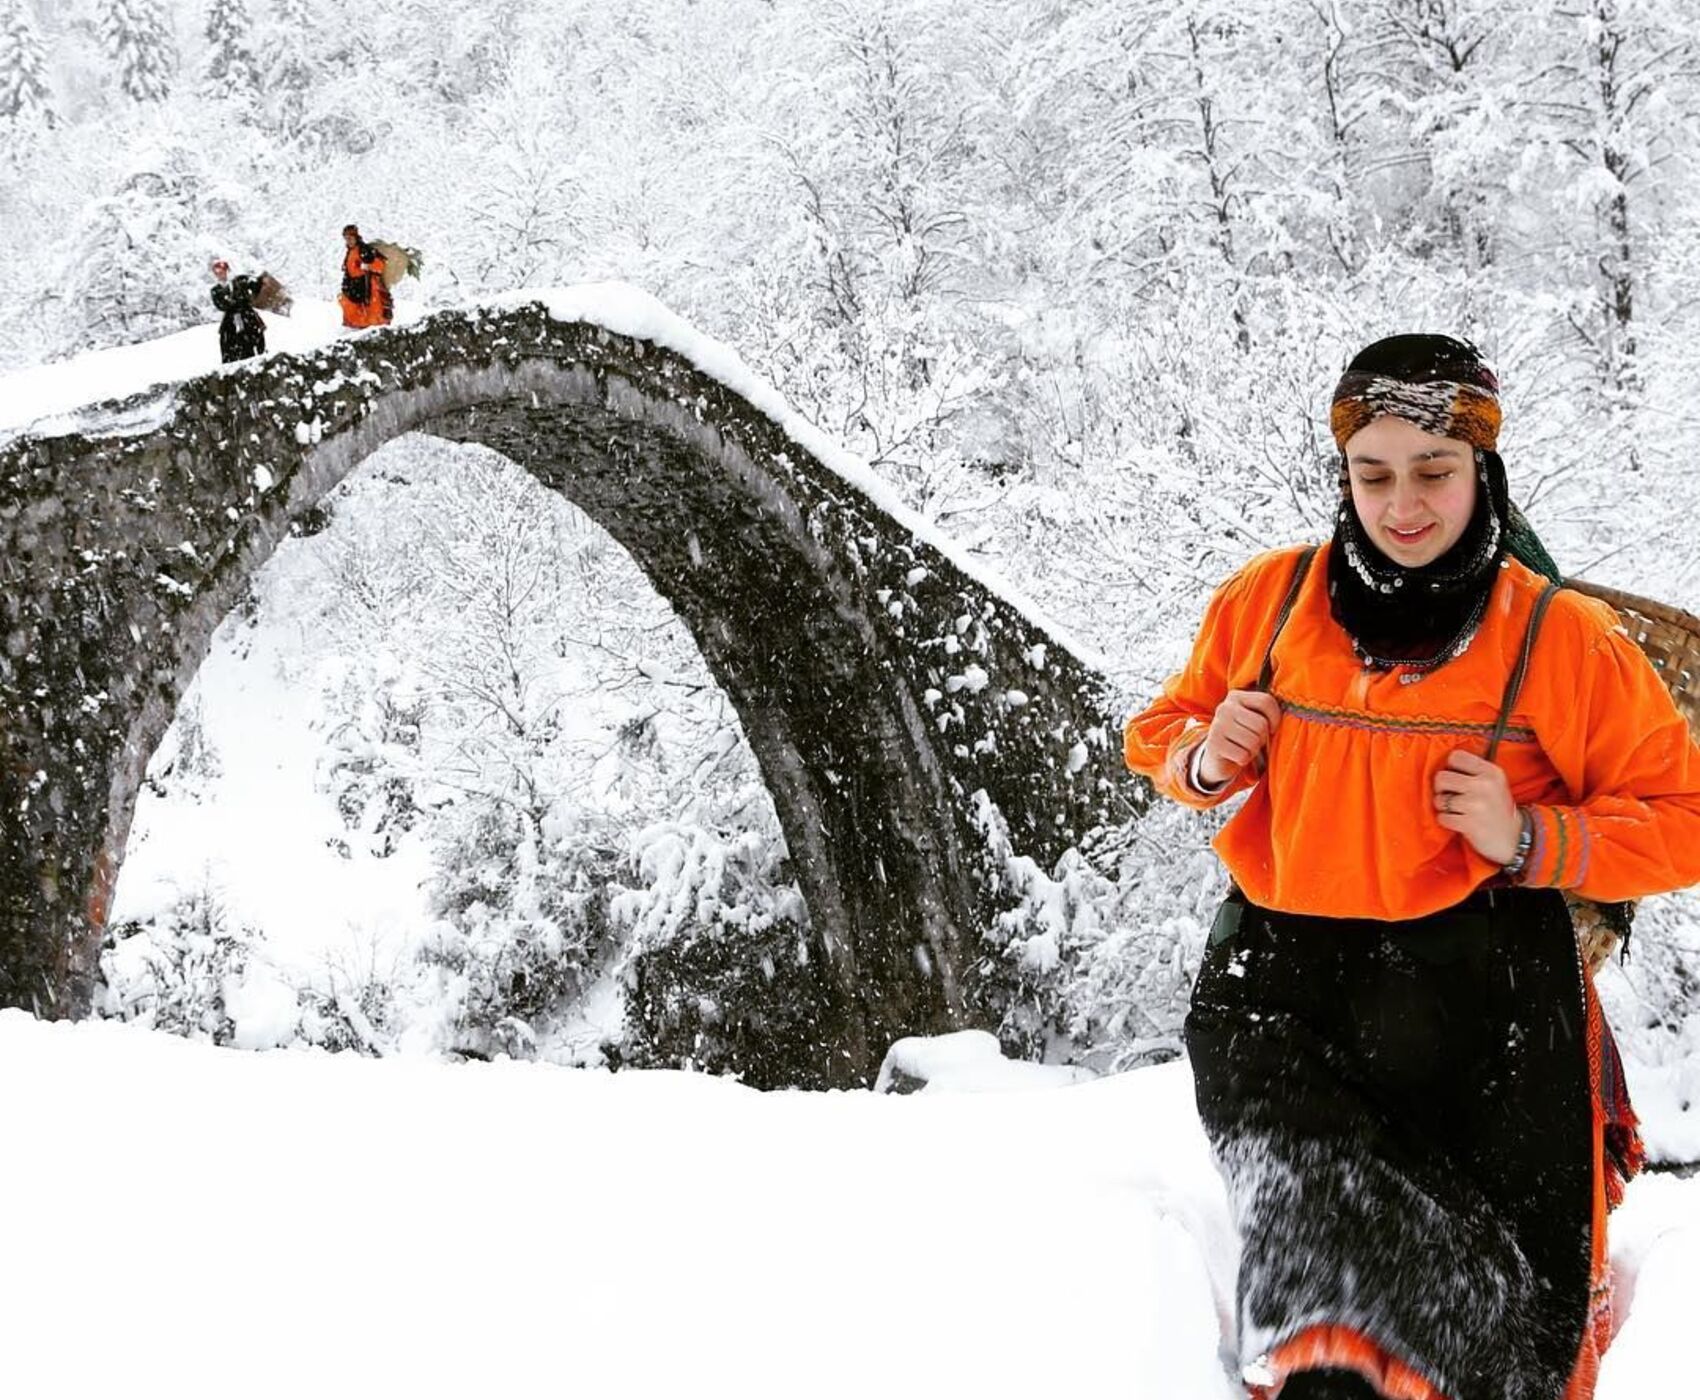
<point x="1420" y="617"/>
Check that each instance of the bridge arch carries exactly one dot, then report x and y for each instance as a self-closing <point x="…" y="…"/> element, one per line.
<point x="882" y="686"/>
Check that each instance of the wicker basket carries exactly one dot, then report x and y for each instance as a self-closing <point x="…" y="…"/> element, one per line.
<point x="1671" y="640"/>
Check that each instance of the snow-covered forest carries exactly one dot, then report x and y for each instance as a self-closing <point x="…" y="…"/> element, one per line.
<point x="999" y="249"/>
<point x="1075" y="278"/>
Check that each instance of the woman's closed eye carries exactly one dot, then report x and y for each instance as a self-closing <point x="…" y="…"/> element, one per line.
<point x="1431" y="475"/>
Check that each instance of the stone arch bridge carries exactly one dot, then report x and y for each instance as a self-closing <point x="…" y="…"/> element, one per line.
<point x="881" y="687"/>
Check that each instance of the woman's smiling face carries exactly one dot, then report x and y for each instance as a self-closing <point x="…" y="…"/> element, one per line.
<point x="1414" y="492"/>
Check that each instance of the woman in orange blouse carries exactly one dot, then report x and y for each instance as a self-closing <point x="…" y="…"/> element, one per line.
<point x="365" y="297"/>
<point x="1397" y="1053"/>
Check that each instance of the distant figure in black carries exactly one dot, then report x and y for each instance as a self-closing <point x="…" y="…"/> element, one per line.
<point x="241" y="333"/>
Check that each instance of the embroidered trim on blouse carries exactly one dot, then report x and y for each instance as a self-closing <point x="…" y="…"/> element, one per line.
<point x="1389" y="724"/>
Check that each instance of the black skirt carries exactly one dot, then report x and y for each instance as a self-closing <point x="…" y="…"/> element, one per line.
<point x="241" y="334"/>
<point x="1402" y="1113"/>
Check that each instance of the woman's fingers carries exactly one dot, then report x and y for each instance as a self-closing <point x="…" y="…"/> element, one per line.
<point x="1251" y="713"/>
<point x="1240" y="730"/>
<point x="1229" y="750"/>
<point x="1472" y="796"/>
<point x="1238" y="754"/>
<point x="1244" y="734"/>
<point x="1262" y="704"/>
<point x="1468" y="772"/>
<point x="1252" y="730"/>
<point x="1463" y="761"/>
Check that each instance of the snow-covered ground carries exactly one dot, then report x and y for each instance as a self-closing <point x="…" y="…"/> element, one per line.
<point x="42" y="395"/>
<point x="189" y="1221"/>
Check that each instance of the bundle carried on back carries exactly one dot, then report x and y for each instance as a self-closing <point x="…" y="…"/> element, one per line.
<point x="399" y="262"/>
<point x="273" y="296"/>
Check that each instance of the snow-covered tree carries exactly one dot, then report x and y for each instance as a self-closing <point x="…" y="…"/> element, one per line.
<point x="132" y="267"/>
<point x="136" y="35"/>
<point x="230" y="67"/>
<point x="24" y="93"/>
<point x="293" y="15"/>
<point x="1443" y="77"/>
<point x="1614" y="114"/>
<point x="287" y="45"/>
<point x="524" y="204"/>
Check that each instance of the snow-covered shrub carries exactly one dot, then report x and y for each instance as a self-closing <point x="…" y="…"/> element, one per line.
<point x="1093" y="960"/>
<point x="724" y="972"/>
<point x="371" y="757"/>
<point x="175" y="971"/>
<point x="754" y="1004"/>
<point x="342" y="1016"/>
<point x="187" y="759"/>
<point x="150" y="277"/>
<point x="1651" y="994"/>
<point x="523" y="927"/>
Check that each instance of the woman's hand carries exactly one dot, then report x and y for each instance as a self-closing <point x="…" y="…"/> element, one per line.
<point x="1239" y="731"/>
<point x="1473" y="798"/>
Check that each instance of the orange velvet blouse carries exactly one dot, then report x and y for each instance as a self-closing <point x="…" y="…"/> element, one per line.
<point x="1340" y="819"/>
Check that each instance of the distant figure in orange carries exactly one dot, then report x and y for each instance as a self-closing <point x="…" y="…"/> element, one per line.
<point x="365" y="298"/>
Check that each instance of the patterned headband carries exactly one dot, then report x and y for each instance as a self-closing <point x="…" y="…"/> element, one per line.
<point x="1464" y="407"/>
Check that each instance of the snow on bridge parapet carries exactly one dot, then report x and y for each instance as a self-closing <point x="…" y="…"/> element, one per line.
<point x="882" y="680"/>
<point x="129" y="389"/>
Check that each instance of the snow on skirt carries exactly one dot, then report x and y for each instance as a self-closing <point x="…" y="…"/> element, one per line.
<point x="1405" y="1116"/>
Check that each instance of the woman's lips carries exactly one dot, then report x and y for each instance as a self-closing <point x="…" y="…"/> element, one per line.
<point x="1411" y="537"/>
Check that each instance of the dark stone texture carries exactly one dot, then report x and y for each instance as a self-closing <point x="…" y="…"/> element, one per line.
<point x="121" y="553"/>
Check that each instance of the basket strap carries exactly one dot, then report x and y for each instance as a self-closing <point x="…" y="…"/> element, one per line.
<point x="1514" y="686"/>
<point x="1266" y="673"/>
